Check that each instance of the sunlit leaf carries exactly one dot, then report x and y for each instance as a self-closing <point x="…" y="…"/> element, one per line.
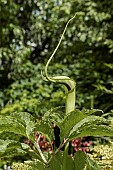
<point x="91" y="126"/>
<point x="25" y="117"/>
<point x="10" y="124"/>
<point x="9" y="148"/>
<point x="80" y="159"/>
<point x="72" y="118"/>
<point x="67" y="162"/>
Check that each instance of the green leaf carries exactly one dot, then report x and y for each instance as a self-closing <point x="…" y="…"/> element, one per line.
<point x="10" y="124"/>
<point x="35" y="155"/>
<point x="72" y="119"/>
<point x="91" y="111"/>
<point x="83" y="162"/>
<point x="25" y="146"/>
<point x="80" y="159"/>
<point x="43" y="127"/>
<point x="92" y="165"/>
<point x="30" y="130"/>
<point x="56" y="162"/>
<point x="24" y="117"/>
<point x="68" y="163"/>
<point x="97" y="130"/>
<point x="91" y="126"/>
<point x="5" y="144"/>
<point x="11" y="147"/>
<point x="37" y="165"/>
<point x="54" y="116"/>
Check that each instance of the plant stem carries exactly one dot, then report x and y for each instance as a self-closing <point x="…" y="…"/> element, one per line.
<point x="92" y="102"/>
<point x="39" y="150"/>
<point x="70" y="99"/>
<point x="65" y="141"/>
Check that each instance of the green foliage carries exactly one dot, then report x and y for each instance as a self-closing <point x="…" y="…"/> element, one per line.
<point x="86" y="125"/>
<point x="10" y="124"/>
<point x="24" y="117"/>
<point x="91" y="126"/>
<point x="28" y="36"/>
<point x="73" y="118"/>
<point x="67" y="161"/>
<point x="10" y="148"/>
<point x="80" y="162"/>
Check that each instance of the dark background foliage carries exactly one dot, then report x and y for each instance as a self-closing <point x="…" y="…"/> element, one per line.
<point x="30" y="31"/>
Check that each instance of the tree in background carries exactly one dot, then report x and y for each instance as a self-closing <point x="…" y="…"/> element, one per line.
<point x="30" y="31"/>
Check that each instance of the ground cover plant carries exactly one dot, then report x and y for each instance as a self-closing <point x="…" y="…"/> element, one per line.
<point x="72" y="123"/>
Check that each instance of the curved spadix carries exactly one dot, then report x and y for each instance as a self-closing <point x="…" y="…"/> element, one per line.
<point x="68" y="82"/>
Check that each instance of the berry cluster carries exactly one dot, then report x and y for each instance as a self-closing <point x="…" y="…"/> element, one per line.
<point x="81" y="144"/>
<point x="43" y="143"/>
